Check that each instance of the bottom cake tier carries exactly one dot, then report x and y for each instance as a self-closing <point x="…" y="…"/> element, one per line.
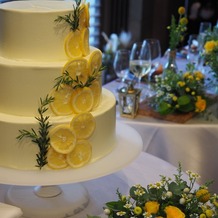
<point x="22" y="154"/>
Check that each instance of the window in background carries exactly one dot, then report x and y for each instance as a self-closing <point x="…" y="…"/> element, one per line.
<point x="95" y="14"/>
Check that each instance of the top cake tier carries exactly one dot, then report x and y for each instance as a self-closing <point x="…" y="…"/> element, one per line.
<point x="29" y="31"/>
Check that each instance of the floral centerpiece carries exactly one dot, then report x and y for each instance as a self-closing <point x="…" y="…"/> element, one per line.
<point x="180" y="93"/>
<point x="211" y="51"/>
<point x="167" y="198"/>
<point x="177" y="30"/>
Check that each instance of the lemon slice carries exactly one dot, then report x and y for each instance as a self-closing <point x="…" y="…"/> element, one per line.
<point x="61" y="105"/>
<point x="72" y="44"/>
<point x="77" y="67"/>
<point x="82" y="100"/>
<point x="56" y="160"/>
<point x="84" y="42"/>
<point x="96" y="91"/>
<point x="83" y="125"/>
<point x="95" y="61"/>
<point x="84" y="16"/>
<point x="81" y="155"/>
<point x="62" y="139"/>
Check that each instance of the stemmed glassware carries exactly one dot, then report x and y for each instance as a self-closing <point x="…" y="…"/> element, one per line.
<point x="193" y="50"/>
<point x="121" y="64"/>
<point x="140" y="60"/>
<point x="155" y="56"/>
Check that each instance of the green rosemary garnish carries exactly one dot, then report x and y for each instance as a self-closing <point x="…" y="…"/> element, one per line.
<point x="41" y="138"/>
<point x="66" y="79"/>
<point x="73" y="18"/>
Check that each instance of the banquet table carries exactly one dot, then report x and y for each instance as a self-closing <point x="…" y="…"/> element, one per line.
<point x="145" y="169"/>
<point x="194" y="143"/>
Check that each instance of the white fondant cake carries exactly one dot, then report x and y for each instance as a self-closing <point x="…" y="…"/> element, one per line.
<point x="32" y="56"/>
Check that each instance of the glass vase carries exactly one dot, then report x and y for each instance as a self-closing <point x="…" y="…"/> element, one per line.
<point x="171" y="64"/>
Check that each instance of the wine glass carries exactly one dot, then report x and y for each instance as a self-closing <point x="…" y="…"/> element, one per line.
<point x="140" y="60"/>
<point x="204" y="27"/>
<point x="193" y="50"/>
<point x="121" y="64"/>
<point x="155" y="57"/>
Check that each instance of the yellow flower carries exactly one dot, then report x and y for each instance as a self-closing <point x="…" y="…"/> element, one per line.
<point x="203" y="215"/>
<point x="190" y="77"/>
<point x="187" y="89"/>
<point x="183" y="21"/>
<point x="186" y="74"/>
<point x="137" y="210"/>
<point x="200" y="106"/>
<point x="209" y="46"/>
<point x="152" y="207"/>
<point x="181" y="10"/>
<point x="209" y="213"/>
<point x="175" y="98"/>
<point x="203" y="194"/>
<point x="173" y="212"/>
<point x="199" y="75"/>
<point x="181" y="83"/>
<point x="215" y="203"/>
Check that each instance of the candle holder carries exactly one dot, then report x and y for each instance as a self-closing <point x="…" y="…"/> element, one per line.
<point x="129" y="100"/>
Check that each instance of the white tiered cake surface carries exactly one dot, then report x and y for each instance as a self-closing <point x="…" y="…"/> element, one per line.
<point x="31" y="32"/>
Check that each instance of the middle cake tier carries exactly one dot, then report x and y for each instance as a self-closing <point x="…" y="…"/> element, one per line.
<point x="23" y="83"/>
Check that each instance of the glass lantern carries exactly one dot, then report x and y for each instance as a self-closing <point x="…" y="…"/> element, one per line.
<point x="129" y="101"/>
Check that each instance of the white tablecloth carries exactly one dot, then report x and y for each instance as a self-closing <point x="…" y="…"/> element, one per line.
<point x="194" y="144"/>
<point x="144" y="170"/>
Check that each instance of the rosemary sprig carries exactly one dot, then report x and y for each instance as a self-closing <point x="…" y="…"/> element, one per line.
<point x="73" y="18"/>
<point x="41" y="138"/>
<point x="66" y="79"/>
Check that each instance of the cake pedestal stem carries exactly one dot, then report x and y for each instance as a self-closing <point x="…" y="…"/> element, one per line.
<point x="49" y="201"/>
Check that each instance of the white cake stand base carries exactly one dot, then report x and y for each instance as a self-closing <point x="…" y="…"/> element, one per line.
<point x="53" y="201"/>
<point x="49" y="201"/>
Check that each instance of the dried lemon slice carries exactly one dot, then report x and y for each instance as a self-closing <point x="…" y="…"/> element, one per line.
<point x="84" y="42"/>
<point x="81" y="155"/>
<point x="83" y="125"/>
<point x="77" y="68"/>
<point x="62" y="139"/>
<point x="62" y="101"/>
<point x="72" y="44"/>
<point x="84" y="16"/>
<point x="82" y="100"/>
<point x="95" y="61"/>
<point x="56" y="160"/>
<point x="96" y="90"/>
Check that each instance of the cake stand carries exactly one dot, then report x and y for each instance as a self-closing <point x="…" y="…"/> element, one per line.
<point x="59" y="194"/>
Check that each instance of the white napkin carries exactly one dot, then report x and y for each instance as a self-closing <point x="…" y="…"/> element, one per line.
<point x="9" y="211"/>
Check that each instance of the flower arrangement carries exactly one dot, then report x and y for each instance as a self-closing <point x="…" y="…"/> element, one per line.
<point x="177" y="29"/>
<point x="168" y="198"/>
<point x="211" y="51"/>
<point x="182" y="92"/>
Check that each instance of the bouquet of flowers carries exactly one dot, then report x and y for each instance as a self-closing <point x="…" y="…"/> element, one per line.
<point x="180" y="92"/>
<point x="211" y="51"/>
<point x="177" y="29"/>
<point x="168" y="198"/>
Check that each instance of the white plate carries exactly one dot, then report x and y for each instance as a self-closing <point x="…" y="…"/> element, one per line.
<point x="128" y="147"/>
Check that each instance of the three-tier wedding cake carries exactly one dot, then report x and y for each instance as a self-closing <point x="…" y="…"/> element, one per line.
<point x="54" y="113"/>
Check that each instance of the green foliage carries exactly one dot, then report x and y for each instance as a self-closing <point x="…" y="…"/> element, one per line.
<point x="71" y="19"/>
<point x="41" y="137"/>
<point x="66" y="79"/>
